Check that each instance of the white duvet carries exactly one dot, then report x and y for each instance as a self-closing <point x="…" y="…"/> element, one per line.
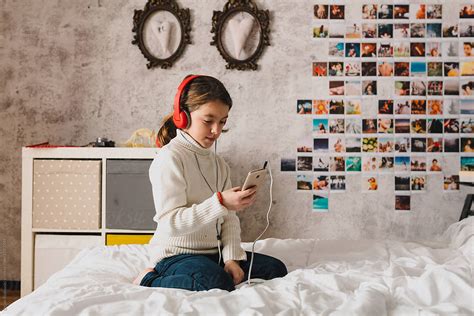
<point x="326" y="278"/>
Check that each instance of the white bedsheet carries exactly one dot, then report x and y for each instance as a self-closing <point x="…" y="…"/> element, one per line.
<point x="326" y="278"/>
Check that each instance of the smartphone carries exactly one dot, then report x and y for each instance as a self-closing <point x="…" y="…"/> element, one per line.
<point x="254" y="178"/>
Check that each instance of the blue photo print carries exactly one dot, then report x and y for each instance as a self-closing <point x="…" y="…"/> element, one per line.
<point x="321" y="126"/>
<point x="320" y="203"/>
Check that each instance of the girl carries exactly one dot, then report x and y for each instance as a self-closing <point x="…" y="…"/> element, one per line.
<point x="196" y="245"/>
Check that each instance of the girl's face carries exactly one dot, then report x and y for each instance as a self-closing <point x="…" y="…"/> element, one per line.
<point x="207" y="122"/>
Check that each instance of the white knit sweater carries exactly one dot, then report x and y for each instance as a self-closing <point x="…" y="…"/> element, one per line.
<point x="188" y="212"/>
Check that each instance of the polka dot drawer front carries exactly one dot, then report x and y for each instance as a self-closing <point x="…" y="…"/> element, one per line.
<point x="66" y="194"/>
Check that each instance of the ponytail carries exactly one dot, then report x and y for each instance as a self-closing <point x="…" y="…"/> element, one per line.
<point x="167" y="131"/>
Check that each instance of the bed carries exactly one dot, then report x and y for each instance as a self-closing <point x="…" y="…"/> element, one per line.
<point x="325" y="277"/>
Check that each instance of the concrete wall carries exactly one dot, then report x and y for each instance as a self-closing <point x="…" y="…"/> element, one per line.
<point x="69" y="73"/>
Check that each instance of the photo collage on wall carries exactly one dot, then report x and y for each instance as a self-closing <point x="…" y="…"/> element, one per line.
<point x="399" y="100"/>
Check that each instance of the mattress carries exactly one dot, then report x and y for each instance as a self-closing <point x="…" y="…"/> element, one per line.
<point x="365" y="277"/>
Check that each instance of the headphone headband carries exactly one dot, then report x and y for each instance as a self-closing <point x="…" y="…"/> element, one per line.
<point x="180" y="116"/>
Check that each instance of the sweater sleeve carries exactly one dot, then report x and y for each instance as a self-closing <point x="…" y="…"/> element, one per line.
<point x="169" y="194"/>
<point x="230" y="231"/>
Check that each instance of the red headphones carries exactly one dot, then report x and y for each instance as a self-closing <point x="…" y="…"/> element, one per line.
<point x="181" y="117"/>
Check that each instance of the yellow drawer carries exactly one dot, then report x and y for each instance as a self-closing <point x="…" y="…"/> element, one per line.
<point x="126" y="239"/>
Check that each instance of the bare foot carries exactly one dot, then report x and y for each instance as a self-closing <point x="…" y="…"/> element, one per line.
<point x="141" y="275"/>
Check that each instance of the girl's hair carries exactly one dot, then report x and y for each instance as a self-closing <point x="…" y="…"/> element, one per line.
<point x="199" y="91"/>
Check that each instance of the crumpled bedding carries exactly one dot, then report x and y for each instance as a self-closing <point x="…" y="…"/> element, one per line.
<point x="369" y="277"/>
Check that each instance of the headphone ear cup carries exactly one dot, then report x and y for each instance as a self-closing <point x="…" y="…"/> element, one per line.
<point x="181" y="121"/>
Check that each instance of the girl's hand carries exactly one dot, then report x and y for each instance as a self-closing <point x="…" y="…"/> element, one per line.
<point x="233" y="268"/>
<point x="236" y="200"/>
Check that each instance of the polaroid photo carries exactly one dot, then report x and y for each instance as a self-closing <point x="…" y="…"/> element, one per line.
<point x="467" y="88"/>
<point x="402" y="183"/>
<point x="451" y="126"/>
<point x="402" y="69"/>
<point x="418" y="87"/>
<point x="336" y="106"/>
<point x="368" y="50"/>
<point x="468" y="49"/>
<point x="385" y="31"/>
<point x="418" y="164"/>
<point x="353" y="125"/>
<point x="385" y="50"/>
<point x="466" y="11"/>
<point x="450" y="49"/>
<point x="321" y="183"/>
<point x="402" y="107"/>
<point x="336" y="49"/>
<point x="402" y="126"/>
<point x="337" y="30"/>
<point x="304" y="182"/>
<point x="402" y="88"/>
<point x="434" y="144"/>
<point x="402" y="164"/>
<point x="369" y="69"/>
<point x="435" y="164"/>
<point x="321" y="11"/>
<point x="451" y="183"/>
<point x="336" y="88"/>
<point x="353" y="145"/>
<point x="369" y="11"/>
<point x="450" y="30"/>
<point x="386" y="145"/>
<point x="321" y="30"/>
<point x="402" y="144"/>
<point x="434" y="11"/>
<point x="418" y="107"/>
<point x="369" y="183"/>
<point x="369" y="30"/>
<point x="369" y="144"/>
<point x="418" y="183"/>
<point x="433" y="49"/>
<point x="352" y="50"/>
<point x="401" y="49"/>
<point x="467" y="164"/>
<point x="337" y="164"/>
<point x="352" y="69"/>
<point x="321" y="163"/>
<point x="401" y="11"/>
<point x="353" y="164"/>
<point x="288" y="164"/>
<point x="320" y="126"/>
<point x="304" y="106"/>
<point x="433" y="30"/>
<point x="321" y="107"/>
<point x="418" y="11"/>
<point x="385" y="11"/>
<point x="369" y="87"/>
<point x="418" y="69"/>
<point x="466" y="29"/>
<point x="337" y="144"/>
<point x="401" y="30"/>
<point x="336" y="126"/>
<point x="451" y="69"/>
<point x="353" y="107"/>
<point x="320" y="145"/>
<point x="337" y="183"/>
<point x="467" y="125"/>
<point x="305" y="145"/>
<point x="435" y="69"/>
<point x="320" y="203"/>
<point x="353" y="88"/>
<point x="451" y="87"/>
<point x="320" y="69"/>
<point x="336" y="69"/>
<point x="435" y="106"/>
<point x="466" y="106"/>
<point x="385" y="126"/>
<point x="337" y="12"/>
<point x="418" y="145"/>
<point x="417" y="49"/>
<point x="353" y="31"/>
<point x="417" y="30"/>
<point x="386" y="164"/>
<point x="451" y="144"/>
<point x="435" y="87"/>
<point x="370" y="163"/>
<point x="402" y="202"/>
<point x="304" y="163"/>
<point x="434" y="126"/>
<point x="467" y="68"/>
<point x="369" y="126"/>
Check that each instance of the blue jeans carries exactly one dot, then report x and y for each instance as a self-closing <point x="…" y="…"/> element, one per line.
<point x="203" y="272"/>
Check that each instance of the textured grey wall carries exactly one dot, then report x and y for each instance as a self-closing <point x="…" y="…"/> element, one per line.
<point x="69" y="73"/>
